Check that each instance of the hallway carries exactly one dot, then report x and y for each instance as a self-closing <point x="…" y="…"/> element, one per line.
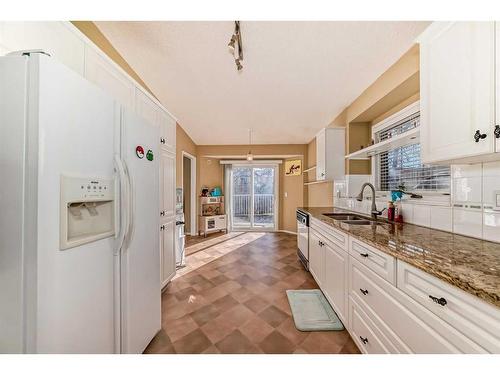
<point x="236" y="303"/>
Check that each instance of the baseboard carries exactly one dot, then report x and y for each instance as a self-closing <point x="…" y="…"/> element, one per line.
<point x="287" y="231"/>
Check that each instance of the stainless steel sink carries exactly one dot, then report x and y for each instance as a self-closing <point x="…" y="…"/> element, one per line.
<point x="342" y="217"/>
<point x="351" y="219"/>
<point x="360" y="222"/>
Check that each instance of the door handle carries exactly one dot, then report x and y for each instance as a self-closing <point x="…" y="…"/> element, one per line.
<point x="440" y="301"/>
<point x="364" y="340"/>
<point x="364" y="255"/>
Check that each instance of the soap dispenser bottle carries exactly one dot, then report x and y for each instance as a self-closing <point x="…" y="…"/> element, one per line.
<point x="398" y="212"/>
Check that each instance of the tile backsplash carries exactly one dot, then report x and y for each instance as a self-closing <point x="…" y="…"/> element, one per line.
<point x="473" y="209"/>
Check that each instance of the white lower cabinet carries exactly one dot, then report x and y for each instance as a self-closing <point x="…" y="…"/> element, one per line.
<point x="167" y="250"/>
<point x="316" y="258"/>
<point x="478" y="320"/>
<point x="335" y="280"/>
<point x="389" y="306"/>
<point x="408" y="322"/>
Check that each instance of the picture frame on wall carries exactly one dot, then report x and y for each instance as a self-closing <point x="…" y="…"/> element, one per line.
<point x="293" y="167"/>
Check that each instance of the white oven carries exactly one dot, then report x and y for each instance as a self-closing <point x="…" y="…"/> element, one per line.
<point x="303" y="238"/>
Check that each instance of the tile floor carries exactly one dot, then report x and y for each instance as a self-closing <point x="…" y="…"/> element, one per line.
<point x="234" y="301"/>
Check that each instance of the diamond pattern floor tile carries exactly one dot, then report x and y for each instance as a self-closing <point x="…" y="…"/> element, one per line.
<point x="231" y="298"/>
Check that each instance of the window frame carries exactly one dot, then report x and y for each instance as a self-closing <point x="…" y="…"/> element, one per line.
<point x="429" y="197"/>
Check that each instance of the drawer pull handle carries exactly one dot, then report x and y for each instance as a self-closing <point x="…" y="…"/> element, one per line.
<point x="440" y="301"/>
<point x="364" y="255"/>
<point x="364" y="291"/>
<point x="364" y="340"/>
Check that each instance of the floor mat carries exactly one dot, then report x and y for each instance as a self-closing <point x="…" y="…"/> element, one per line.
<point x="312" y="312"/>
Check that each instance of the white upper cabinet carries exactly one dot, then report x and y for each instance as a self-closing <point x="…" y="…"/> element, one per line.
<point x="168" y="129"/>
<point x="457" y="92"/>
<point x="330" y="154"/>
<point x="55" y="38"/>
<point x="146" y="107"/>
<point x="107" y="76"/>
<point x="167" y="185"/>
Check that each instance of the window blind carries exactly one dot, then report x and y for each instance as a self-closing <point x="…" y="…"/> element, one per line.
<point x="403" y="168"/>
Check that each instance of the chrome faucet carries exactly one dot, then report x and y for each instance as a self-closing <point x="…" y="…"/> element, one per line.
<point x="374" y="210"/>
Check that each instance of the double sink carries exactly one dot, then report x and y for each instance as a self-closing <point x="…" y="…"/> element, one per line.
<point x="352" y="219"/>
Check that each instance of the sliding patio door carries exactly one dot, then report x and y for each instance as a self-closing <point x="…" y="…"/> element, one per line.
<point x="253" y="197"/>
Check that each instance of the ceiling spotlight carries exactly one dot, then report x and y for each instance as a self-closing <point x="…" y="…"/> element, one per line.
<point x="238" y="64"/>
<point x="236" y="45"/>
<point x="231" y="44"/>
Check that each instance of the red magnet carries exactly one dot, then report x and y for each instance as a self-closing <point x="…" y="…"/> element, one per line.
<point x="139" y="151"/>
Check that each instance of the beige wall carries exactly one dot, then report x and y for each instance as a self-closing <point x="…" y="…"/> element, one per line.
<point x="396" y="88"/>
<point x="210" y="174"/>
<point x="183" y="143"/>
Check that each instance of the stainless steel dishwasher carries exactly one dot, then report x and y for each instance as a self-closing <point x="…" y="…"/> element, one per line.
<point x="303" y="238"/>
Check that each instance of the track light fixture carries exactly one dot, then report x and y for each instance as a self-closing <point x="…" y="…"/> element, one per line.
<point x="236" y="46"/>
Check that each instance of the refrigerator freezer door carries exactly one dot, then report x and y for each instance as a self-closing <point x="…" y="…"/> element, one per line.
<point x="76" y="138"/>
<point x="140" y="255"/>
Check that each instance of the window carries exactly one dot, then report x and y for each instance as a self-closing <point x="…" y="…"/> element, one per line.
<point x="401" y="168"/>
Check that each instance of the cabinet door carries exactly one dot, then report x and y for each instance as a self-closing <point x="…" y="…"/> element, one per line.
<point x="320" y="156"/>
<point x="104" y="74"/>
<point x="316" y="258"/>
<point x="457" y="83"/>
<point x="168" y="129"/>
<point x="167" y="251"/>
<point x="146" y="107"/>
<point x="167" y="187"/>
<point x="335" y="285"/>
<point x="55" y="38"/>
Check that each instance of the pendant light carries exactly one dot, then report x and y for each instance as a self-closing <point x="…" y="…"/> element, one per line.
<point x="236" y="46"/>
<point x="250" y="155"/>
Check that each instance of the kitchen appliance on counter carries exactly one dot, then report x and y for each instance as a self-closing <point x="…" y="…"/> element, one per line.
<point x="79" y="225"/>
<point x="303" y="238"/>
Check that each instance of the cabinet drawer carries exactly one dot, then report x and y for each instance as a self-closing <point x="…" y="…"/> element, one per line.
<point x="382" y="264"/>
<point x="420" y="330"/>
<point x="333" y="235"/>
<point x="366" y="333"/>
<point x="473" y="317"/>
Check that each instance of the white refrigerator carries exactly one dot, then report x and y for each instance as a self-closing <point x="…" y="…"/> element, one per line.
<point x="79" y="198"/>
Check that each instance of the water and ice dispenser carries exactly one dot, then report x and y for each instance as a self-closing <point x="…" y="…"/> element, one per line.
<point x="87" y="210"/>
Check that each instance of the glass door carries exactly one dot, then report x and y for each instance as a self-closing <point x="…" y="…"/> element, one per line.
<point x="253" y="197"/>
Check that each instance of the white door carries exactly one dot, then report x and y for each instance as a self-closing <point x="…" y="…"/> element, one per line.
<point x="320" y="156"/>
<point x="335" y="286"/>
<point x="316" y="258"/>
<point x="457" y="90"/>
<point x="140" y="273"/>
<point x="75" y="311"/>
<point x="167" y="231"/>
<point x="254" y="197"/>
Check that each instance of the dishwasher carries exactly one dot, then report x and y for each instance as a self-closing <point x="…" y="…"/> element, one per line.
<point x="303" y="238"/>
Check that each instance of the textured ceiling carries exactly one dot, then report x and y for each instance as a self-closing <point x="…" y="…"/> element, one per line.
<point x="297" y="76"/>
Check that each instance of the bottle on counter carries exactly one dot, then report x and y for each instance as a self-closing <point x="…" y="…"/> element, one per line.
<point x="390" y="211"/>
<point x="398" y="212"/>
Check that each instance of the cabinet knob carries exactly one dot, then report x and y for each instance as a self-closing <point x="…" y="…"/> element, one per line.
<point x="440" y="301"/>
<point x="364" y="291"/>
<point x="162" y="140"/>
<point x="162" y="213"/>
<point x="497" y="131"/>
<point x="364" y="340"/>
<point x="162" y="227"/>
<point x="478" y="136"/>
<point x="364" y="255"/>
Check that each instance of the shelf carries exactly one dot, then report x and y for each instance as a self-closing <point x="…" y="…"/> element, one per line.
<point x="309" y="169"/>
<point x="316" y="182"/>
<point x="408" y="138"/>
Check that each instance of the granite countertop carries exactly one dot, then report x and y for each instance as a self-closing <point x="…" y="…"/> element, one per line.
<point x="470" y="264"/>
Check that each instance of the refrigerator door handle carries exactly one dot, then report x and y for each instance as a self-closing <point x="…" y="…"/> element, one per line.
<point x="124" y="199"/>
<point x="130" y="208"/>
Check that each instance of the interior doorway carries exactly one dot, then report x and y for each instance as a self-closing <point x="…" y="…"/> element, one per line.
<point x="189" y="192"/>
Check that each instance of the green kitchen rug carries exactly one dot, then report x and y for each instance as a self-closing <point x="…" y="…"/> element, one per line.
<point x="312" y="312"/>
